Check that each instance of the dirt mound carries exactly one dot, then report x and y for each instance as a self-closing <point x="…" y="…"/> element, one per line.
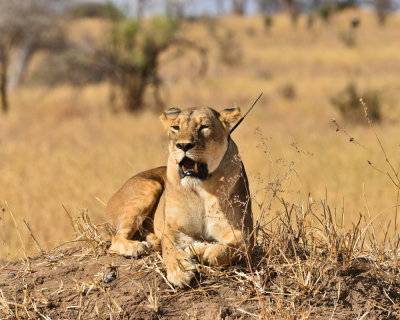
<point x="75" y="283"/>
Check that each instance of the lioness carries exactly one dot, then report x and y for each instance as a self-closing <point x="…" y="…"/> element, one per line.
<point x="199" y="203"/>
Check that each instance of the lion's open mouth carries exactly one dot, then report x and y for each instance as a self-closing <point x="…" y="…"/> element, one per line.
<point x="190" y="168"/>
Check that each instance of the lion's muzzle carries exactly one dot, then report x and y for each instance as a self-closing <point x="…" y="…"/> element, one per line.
<point x="190" y="168"/>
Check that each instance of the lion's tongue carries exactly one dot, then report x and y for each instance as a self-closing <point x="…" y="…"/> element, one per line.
<point x="189" y="165"/>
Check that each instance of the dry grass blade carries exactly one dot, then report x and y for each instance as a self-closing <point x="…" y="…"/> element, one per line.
<point x="16" y="227"/>
<point x="33" y="237"/>
<point x="94" y="235"/>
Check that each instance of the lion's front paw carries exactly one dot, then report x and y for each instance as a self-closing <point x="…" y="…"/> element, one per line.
<point x="180" y="270"/>
<point x="213" y="254"/>
<point x="196" y="249"/>
<point x="153" y="242"/>
<point x="217" y="255"/>
<point x="129" y="248"/>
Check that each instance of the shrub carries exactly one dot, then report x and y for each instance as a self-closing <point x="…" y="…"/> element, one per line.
<point x="348" y="103"/>
<point x="287" y="91"/>
<point x="268" y="22"/>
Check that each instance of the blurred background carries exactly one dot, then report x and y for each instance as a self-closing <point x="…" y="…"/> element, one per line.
<point x="82" y="85"/>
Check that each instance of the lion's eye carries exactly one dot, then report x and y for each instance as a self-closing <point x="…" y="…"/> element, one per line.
<point x="175" y="128"/>
<point x="202" y="127"/>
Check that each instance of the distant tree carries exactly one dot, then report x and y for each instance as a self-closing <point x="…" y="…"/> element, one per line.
<point x="239" y="7"/>
<point x="140" y="4"/>
<point x="382" y="9"/>
<point x="25" y="26"/>
<point x="229" y="48"/>
<point x="4" y="58"/>
<point x="132" y="55"/>
<point x="176" y="8"/>
<point x="94" y="10"/>
<point x="268" y="7"/>
<point x="293" y="8"/>
<point x="326" y="9"/>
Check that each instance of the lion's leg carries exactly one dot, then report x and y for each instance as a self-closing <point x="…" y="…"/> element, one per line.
<point x="138" y="205"/>
<point x="180" y="266"/>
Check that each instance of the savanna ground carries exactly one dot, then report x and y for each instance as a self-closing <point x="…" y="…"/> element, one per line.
<point x="63" y="150"/>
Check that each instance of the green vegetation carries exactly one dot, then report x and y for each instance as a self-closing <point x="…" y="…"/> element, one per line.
<point x="133" y="55"/>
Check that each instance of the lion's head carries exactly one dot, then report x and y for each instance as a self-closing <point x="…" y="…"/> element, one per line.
<point x="198" y="138"/>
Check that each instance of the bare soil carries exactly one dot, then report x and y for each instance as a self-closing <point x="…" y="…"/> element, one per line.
<point x="68" y="283"/>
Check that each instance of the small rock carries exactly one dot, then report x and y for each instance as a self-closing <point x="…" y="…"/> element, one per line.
<point x="110" y="277"/>
<point x="11" y="276"/>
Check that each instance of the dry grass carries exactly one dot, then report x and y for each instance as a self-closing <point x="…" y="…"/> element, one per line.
<point x="304" y="265"/>
<point x="64" y="146"/>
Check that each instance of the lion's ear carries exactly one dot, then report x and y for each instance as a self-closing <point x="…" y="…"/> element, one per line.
<point x="230" y="116"/>
<point x="169" y="116"/>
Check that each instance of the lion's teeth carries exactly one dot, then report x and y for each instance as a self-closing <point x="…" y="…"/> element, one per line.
<point x="183" y="168"/>
<point x="195" y="168"/>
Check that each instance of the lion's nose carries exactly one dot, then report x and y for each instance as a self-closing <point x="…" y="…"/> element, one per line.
<point x="185" y="146"/>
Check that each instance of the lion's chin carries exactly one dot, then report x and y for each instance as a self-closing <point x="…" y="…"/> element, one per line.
<point x="191" y="182"/>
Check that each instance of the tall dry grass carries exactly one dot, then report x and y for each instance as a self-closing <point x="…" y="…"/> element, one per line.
<point x="64" y="147"/>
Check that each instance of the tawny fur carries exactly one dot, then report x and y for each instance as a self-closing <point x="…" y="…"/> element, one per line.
<point x="206" y="220"/>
